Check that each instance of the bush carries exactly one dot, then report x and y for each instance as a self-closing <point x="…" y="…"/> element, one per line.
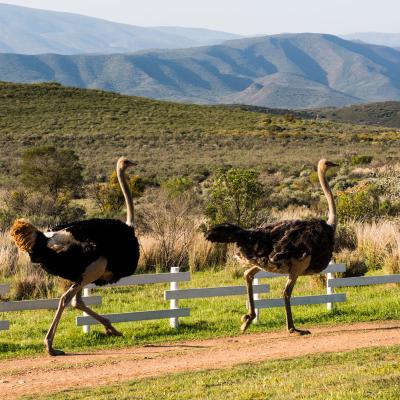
<point x="235" y="196"/>
<point x="361" y="160"/>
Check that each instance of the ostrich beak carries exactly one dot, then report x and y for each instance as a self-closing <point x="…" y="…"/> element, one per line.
<point x="331" y="164"/>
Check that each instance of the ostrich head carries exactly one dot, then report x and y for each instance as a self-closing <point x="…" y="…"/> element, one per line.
<point x="123" y="163"/>
<point x="324" y="165"/>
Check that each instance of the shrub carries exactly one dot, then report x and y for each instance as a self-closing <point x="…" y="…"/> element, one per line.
<point x="235" y="196"/>
<point x="361" y="160"/>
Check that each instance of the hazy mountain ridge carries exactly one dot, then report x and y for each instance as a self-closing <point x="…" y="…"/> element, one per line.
<point x="379" y="38"/>
<point x="288" y="70"/>
<point x="32" y="31"/>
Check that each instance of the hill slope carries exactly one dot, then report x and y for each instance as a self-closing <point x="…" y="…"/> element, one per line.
<point x="291" y="71"/>
<point x="169" y="139"/>
<point x="384" y="114"/>
<point x="32" y="31"/>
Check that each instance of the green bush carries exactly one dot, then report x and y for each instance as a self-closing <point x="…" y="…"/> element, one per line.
<point x="235" y="196"/>
<point x="361" y="160"/>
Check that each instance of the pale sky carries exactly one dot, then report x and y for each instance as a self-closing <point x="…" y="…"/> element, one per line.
<point x="240" y="16"/>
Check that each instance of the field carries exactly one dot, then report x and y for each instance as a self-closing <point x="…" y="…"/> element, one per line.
<point x="170" y="139"/>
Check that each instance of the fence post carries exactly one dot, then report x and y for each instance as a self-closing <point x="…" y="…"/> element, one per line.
<point x="174" y="303"/>
<point x="86" y="293"/>
<point x="256" y="296"/>
<point x="329" y="290"/>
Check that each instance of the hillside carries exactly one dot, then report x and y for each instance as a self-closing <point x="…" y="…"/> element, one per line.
<point x="289" y="71"/>
<point x="32" y="31"/>
<point x="170" y="139"/>
<point x="384" y="114"/>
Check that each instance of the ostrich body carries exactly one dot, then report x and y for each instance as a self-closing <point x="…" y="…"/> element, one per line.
<point x="287" y="247"/>
<point x="97" y="250"/>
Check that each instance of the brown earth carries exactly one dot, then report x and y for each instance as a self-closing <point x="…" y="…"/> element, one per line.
<point x="46" y="374"/>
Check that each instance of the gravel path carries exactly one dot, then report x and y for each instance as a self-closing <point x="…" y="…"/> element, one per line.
<point x="47" y="374"/>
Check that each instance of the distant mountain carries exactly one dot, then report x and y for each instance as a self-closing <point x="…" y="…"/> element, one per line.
<point x="288" y="70"/>
<point x="383" y="39"/>
<point x="31" y="31"/>
<point x="384" y="114"/>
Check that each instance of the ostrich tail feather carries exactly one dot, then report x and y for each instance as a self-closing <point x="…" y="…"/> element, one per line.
<point x="24" y="234"/>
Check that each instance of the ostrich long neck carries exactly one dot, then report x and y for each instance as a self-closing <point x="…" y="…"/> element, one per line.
<point x="329" y="197"/>
<point x="127" y="195"/>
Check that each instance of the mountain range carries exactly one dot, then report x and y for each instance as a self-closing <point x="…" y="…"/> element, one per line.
<point x="26" y="30"/>
<point x="287" y="70"/>
<point x="380" y="38"/>
<point x="197" y="65"/>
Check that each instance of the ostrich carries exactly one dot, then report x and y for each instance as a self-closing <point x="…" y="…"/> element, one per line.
<point x="96" y="250"/>
<point x="287" y="247"/>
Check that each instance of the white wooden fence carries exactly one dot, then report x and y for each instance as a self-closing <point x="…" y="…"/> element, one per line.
<point x="174" y="294"/>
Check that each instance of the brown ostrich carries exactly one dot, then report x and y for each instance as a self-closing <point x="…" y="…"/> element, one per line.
<point x="287" y="247"/>
<point x="95" y="250"/>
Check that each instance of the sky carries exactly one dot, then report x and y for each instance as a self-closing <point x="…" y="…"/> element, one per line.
<point x="246" y="17"/>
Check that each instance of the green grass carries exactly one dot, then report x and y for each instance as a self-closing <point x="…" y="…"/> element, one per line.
<point x="214" y="317"/>
<point x="170" y="139"/>
<point x="361" y="374"/>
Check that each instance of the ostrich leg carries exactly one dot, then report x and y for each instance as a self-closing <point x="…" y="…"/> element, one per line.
<point x="248" y="318"/>
<point x="78" y="303"/>
<point x="94" y="271"/>
<point x="287" y="294"/>
<point x="64" y="301"/>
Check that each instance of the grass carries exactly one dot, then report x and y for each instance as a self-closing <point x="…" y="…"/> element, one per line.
<point x="357" y="375"/>
<point x="170" y="139"/>
<point x="214" y="317"/>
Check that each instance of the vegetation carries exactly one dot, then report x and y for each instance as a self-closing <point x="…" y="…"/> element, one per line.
<point x="235" y="196"/>
<point x="170" y="139"/>
<point x="357" y="375"/>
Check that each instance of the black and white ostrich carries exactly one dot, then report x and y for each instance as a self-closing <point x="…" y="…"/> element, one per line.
<point x="287" y="247"/>
<point x="96" y="250"/>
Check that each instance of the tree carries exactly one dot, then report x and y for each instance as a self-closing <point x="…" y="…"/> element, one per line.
<point x="235" y="196"/>
<point x="49" y="170"/>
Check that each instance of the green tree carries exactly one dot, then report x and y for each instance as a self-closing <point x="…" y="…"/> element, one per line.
<point x="49" y="170"/>
<point x="235" y="196"/>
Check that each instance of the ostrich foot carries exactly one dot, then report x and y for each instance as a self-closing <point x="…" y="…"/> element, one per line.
<point x="111" y="331"/>
<point x="247" y="320"/>
<point x="54" y="352"/>
<point x="298" y="332"/>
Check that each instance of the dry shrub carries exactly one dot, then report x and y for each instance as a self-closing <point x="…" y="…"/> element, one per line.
<point x="34" y="285"/>
<point x="375" y="241"/>
<point x="204" y="254"/>
<point x="355" y="264"/>
<point x="345" y="237"/>
<point x="391" y="261"/>
<point x="167" y="221"/>
<point x="292" y="213"/>
<point x="9" y="255"/>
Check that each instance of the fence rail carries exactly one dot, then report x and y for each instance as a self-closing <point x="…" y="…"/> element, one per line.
<point x="301" y="300"/>
<point x="136" y="316"/>
<point x="175" y="294"/>
<point x="364" y="280"/>
<point x="212" y="292"/>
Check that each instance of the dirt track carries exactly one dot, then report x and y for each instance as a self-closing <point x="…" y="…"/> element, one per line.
<point x="46" y="374"/>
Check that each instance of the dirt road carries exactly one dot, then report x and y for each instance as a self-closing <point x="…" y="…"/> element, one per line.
<point x="46" y="374"/>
